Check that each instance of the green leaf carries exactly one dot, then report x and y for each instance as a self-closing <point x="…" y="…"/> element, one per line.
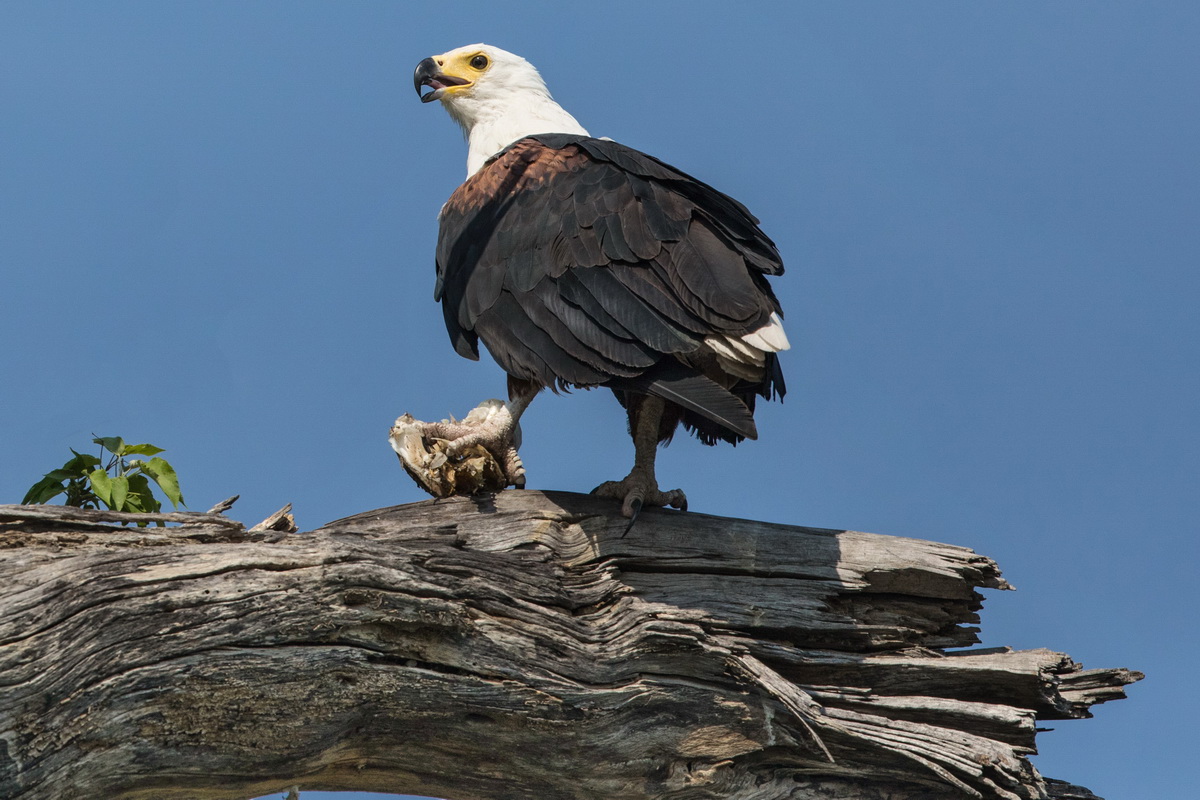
<point x="141" y="450"/>
<point x="164" y="475"/>
<point x="81" y="464"/>
<point x="113" y="444"/>
<point x="140" y="497"/>
<point x="120" y="490"/>
<point x="101" y="486"/>
<point x="44" y="490"/>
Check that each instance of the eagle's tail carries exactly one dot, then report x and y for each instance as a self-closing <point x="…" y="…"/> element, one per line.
<point x="694" y="393"/>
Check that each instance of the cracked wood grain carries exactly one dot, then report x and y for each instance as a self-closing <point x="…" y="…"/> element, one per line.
<point x="512" y="646"/>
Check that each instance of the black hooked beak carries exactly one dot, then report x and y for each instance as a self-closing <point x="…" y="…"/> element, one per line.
<point x="428" y="73"/>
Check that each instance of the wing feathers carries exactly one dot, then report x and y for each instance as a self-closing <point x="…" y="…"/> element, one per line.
<point x="581" y="261"/>
<point x="513" y="338"/>
<point x="576" y="333"/>
<point x="633" y="312"/>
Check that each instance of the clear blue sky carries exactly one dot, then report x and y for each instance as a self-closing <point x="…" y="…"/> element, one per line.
<point x="217" y="223"/>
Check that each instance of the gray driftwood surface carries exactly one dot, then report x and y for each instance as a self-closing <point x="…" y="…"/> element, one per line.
<point x="512" y="646"/>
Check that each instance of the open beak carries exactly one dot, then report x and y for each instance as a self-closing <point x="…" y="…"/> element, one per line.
<point x="429" y="74"/>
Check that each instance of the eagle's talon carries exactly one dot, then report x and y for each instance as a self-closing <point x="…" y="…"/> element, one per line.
<point x="515" y="478"/>
<point x="514" y="468"/>
<point x="637" y="509"/>
<point x="636" y="491"/>
<point x="456" y="447"/>
<point x="467" y="456"/>
<point x="632" y="505"/>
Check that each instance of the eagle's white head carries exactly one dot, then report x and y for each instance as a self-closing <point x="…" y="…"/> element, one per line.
<point x="496" y="97"/>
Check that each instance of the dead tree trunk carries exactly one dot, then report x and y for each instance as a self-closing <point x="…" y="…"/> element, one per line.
<point x="512" y="646"/>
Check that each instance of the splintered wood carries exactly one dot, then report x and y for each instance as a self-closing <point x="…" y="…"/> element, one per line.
<point x="512" y="646"/>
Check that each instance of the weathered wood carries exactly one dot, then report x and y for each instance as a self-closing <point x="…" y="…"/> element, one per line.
<point x="513" y="646"/>
<point x="281" y="520"/>
<point x="92" y="517"/>
<point x="224" y="505"/>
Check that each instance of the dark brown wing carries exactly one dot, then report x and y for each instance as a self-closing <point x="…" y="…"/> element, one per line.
<point x="582" y="262"/>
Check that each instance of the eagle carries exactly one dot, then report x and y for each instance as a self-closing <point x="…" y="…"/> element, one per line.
<point x="581" y="263"/>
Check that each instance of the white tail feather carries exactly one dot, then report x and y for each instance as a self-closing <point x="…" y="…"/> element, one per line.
<point x="770" y="338"/>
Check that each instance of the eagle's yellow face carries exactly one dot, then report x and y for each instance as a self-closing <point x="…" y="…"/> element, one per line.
<point x="452" y="73"/>
<point x="496" y="96"/>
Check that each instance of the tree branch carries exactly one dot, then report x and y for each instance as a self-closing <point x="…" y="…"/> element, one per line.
<point x="512" y="646"/>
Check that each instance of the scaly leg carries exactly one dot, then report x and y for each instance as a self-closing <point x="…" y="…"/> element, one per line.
<point x="639" y="487"/>
<point x="496" y="428"/>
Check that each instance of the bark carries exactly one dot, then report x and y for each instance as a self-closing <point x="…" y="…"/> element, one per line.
<point x="511" y="646"/>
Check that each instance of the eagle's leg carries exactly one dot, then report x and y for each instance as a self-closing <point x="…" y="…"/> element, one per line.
<point x="640" y="487"/>
<point x="500" y="434"/>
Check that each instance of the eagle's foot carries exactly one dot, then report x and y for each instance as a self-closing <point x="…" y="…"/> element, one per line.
<point x="514" y="468"/>
<point x="492" y="427"/>
<point x="462" y="457"/>
<point x="638" y="489"/>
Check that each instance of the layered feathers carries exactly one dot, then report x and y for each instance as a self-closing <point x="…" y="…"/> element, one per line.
<point x="582" y="262"/>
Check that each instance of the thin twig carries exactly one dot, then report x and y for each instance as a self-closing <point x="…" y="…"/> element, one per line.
<point x="224" y="505"/>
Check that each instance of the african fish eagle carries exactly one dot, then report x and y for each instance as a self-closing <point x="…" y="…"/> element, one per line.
<point x="581" y="262"/>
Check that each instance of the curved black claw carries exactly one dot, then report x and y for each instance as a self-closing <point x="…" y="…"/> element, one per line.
<point x="637" y="491"/>
<point x="635" y="505"/>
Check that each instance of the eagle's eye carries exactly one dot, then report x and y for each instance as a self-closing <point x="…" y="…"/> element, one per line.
<point x="479" y="62"/>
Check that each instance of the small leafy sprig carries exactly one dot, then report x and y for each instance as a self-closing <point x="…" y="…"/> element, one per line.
<point x="119" y="482"/>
